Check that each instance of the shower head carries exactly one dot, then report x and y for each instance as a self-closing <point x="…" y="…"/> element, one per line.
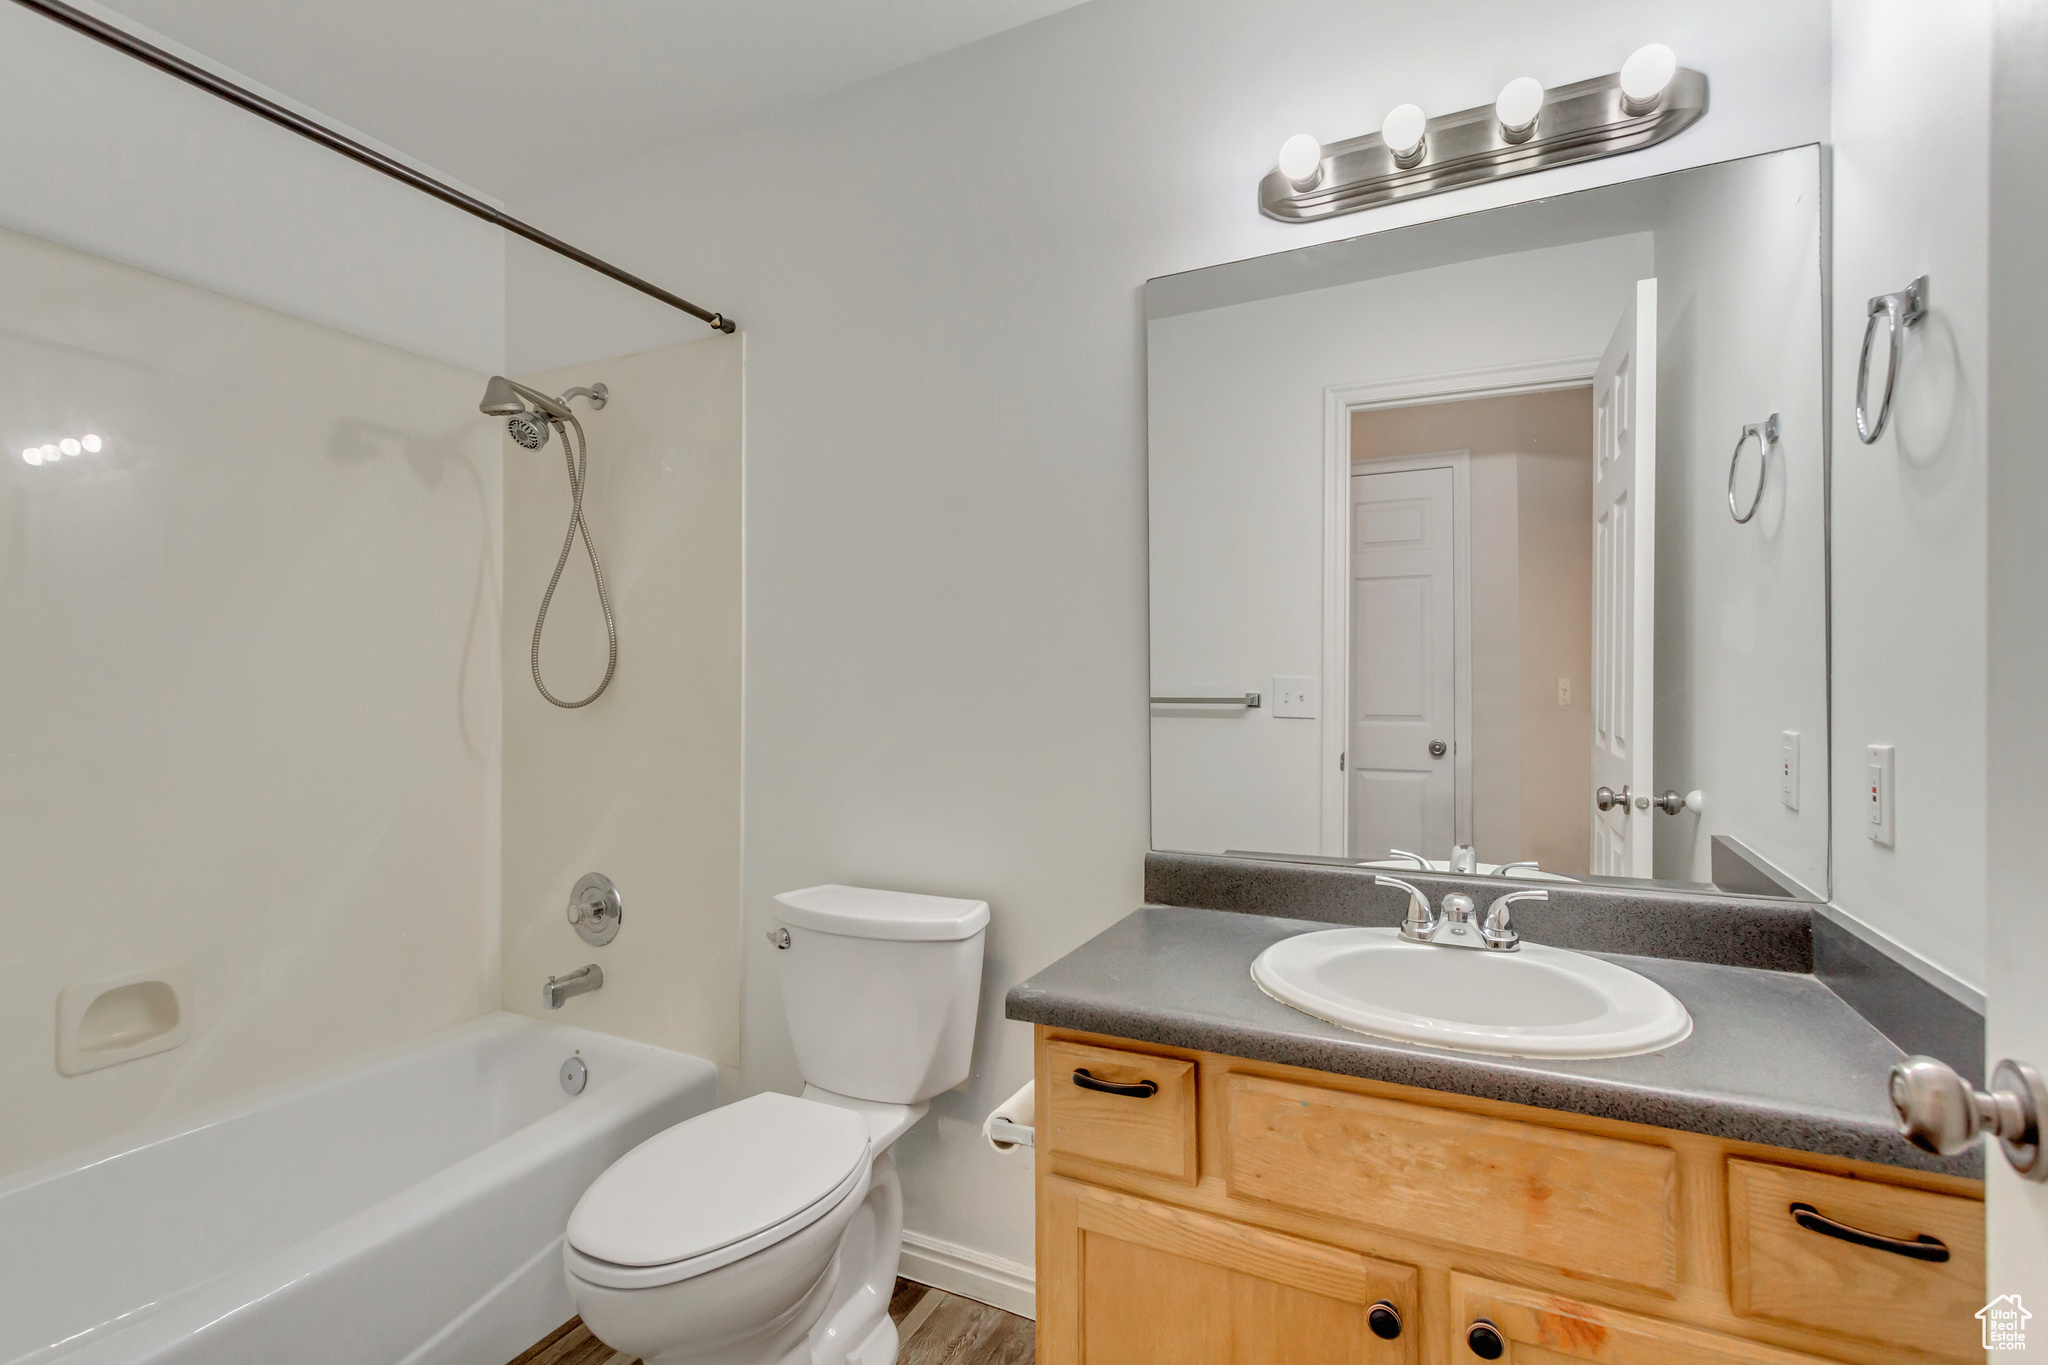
<point x="502" y="399"/>
<point x="530" y="429"/>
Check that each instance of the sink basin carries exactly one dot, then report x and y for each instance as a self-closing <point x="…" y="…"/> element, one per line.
<point x="1533" y="1002"/>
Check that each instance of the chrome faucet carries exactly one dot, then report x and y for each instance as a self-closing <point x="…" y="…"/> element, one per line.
<point x="1458" y="925"/>
<point x="578" y="982"/>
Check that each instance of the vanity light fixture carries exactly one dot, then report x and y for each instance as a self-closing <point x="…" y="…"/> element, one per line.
<point x="1404" y="130"/>
<point x="50" y="452"/>
<point x="1520" y="101"/>
<point x="1528" y="128"/>
<point x="1301" y="161"/>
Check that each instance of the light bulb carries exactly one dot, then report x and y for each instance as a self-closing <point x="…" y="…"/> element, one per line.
<point x="69" y="446"/>
<point x="1521" y="100"/>
<point x="1402" y="132"/>
<point x="1301" y="161"/>
<point x="1644" y="77"/>
<point x="33" y="455"/>
<point x="49" y="453"/>
<point x="91" y="444"/>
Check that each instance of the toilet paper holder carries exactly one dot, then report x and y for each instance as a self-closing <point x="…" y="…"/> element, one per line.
<point x="1001" y="1129"/>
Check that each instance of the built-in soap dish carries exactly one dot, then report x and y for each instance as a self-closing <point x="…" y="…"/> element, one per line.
<point x="119" y="1018"/>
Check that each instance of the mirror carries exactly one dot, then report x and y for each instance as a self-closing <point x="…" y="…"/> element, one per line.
<point x="1499" y="543"/>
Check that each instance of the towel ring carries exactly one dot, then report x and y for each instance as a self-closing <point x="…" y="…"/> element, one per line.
<point x="1766" y="433"/>
<point x="1900" y="311"/>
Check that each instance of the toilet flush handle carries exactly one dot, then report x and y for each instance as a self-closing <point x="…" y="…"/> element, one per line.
<point x="779" y="937"/>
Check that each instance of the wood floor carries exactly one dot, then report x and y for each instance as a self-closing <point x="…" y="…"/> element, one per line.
<point x="937" y="1329"/>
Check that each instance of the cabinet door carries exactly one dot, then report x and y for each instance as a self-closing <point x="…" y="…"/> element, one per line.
<point x="1126" y="1281"/>
<point x="1535" y="1328"/>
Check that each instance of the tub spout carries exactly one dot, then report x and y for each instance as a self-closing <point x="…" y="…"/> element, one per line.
<point x="560" y="988"/>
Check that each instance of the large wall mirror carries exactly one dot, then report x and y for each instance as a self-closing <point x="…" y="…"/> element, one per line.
<point x="1499" y="544"/>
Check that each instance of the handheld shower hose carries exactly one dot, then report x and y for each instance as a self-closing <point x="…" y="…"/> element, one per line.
<point x="579" y="466"/>
<point x="529" y="427"/>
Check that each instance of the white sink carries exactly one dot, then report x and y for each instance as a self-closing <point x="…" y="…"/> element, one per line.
<point x="1532" y="1002"/>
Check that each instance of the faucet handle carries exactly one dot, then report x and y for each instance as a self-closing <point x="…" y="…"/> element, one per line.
<point x="1420" y="922"/>
<point x="1498" y="932"/>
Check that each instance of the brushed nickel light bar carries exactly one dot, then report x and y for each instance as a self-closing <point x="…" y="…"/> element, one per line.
<point x="170" y="64"/>
<point x="1528" y="129"/>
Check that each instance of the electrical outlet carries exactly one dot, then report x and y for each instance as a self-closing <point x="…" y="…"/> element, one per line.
<point x="1564" y="691"/>
<point x="1294" y="698"/>
<point x="1878" y="796"/>
<point x="1788" y="769"/>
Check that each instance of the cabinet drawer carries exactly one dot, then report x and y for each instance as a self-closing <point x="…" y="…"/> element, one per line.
<point x="1783" y="1271"/>
<point x="1153" y="1133"/>
<point x="1168" y="1286"/>
<point x="1546" y="1329"/>
<point x="1593" y="1206"/>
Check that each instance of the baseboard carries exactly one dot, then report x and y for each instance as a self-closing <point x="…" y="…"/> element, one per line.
<point x="995" y="1280"/>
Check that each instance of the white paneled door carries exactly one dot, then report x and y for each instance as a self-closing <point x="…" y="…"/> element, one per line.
<point x="1624" y="588"/>
<point x="1403" y="773"/>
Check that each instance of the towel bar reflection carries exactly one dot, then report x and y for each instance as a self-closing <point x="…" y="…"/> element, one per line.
<point x="1900" y="311"/>
<point x="1766" y="434"/>
<point x="1249" y="701"/>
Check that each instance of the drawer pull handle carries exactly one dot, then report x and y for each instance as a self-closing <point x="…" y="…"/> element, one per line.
<point x="1384" y="1319"/>
<point x="1921" y="1248"/>
<point x="1142" y="1090"/>
<point x="1484" y="1340"/>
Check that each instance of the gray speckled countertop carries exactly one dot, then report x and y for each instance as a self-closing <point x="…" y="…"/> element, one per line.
<point x="1774" y="1057"/>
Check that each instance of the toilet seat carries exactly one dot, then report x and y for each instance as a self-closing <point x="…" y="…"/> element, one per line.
<point x="715" y="1189"/>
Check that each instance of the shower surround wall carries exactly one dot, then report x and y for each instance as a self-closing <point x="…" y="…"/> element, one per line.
<point x="643" y="784"/>
<point x="251" y="665"/>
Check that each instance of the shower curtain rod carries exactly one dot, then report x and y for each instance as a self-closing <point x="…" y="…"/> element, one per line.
<point x="355" y="151"/>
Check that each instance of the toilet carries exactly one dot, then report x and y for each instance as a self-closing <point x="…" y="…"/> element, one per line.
<point x="768" y="1232"/>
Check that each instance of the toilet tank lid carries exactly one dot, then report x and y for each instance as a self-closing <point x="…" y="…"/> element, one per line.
<point x="863" y="912"/>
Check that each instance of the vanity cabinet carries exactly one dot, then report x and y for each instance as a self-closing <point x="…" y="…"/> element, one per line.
<point x="1194" y="1207"/>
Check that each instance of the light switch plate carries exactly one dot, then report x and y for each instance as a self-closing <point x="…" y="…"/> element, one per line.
<point x="1295" y="698"/>
<point x="1878" y="797"/>
<point x="1788" y="769"/>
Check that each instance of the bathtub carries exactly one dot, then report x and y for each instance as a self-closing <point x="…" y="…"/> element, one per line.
<point x="408" y="1210"/>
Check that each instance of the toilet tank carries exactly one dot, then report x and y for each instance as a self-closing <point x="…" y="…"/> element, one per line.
<point x="881" y="989"/>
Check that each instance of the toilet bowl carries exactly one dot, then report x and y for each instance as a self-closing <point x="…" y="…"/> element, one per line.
<point x="769" y="1231"/>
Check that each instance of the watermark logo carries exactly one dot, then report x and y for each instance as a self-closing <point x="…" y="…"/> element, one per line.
<point x="2005" y="1323"/>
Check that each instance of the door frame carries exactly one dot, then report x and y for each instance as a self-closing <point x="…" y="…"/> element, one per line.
<point x="1339" y="402"/>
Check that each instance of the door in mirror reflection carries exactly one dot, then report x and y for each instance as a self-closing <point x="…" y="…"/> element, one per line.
<point x="1624" y="589"/>
<point x="1404" y="734"/>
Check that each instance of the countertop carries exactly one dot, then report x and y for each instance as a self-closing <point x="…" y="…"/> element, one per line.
<point x="1774" y="1057"/>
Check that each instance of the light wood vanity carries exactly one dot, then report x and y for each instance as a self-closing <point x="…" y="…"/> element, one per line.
<point x="1244" y="1213"/>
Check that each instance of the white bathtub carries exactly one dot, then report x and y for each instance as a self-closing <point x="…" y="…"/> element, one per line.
<point x="410" y="1210"/>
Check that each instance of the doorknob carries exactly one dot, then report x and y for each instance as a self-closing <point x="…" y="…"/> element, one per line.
<point x="1437" y="748"/>
<point x="1940" y="1112"/>
<point x="1607" y="798"/>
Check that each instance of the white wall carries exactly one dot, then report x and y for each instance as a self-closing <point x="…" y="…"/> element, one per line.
<point x="251" y="668"/>
<point x="109" y="156"/>
<point x="945" y="415"/>
<point x="643" y="784"/>
<point x="1911" y="177"/>
<point x="1741" y="609"/>
<point x="1236" y="408"/>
